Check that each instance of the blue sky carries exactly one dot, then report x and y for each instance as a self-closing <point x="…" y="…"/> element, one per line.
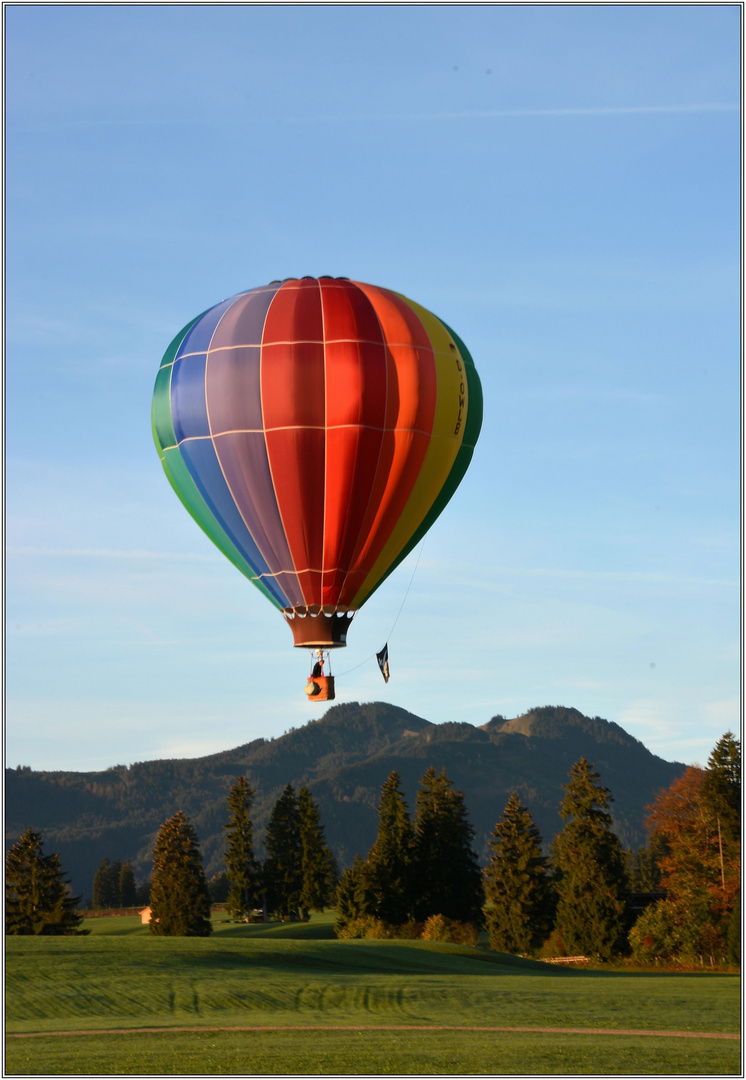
<point x="560" y="184"/>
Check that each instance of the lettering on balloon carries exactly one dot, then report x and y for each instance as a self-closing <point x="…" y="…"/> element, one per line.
<point x="461" y="397"/>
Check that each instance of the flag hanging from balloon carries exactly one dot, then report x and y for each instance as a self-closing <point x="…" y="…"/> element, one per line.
<point x="383" y="661"/>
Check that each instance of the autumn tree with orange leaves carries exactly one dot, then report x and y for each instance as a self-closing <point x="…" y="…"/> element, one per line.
<point x="698" y="821"/>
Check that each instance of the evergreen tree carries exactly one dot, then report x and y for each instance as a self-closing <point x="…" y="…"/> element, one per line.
<point x="447" y="875"/>
<point x="127" y="886"/>
<point x="104" y="893"/>
<point x="721" y="788"/>
<point x="355" y="895"/>
<point x="179" y="897"/>
<point x="219" y="886"/>
<point x="518" y="912"/>
<point x="239" y="858"/>
<point x="37" y="900"/>
<point x="283" y="867"/>
<point x="391" y="857"/>
<point x="317" y="862"/>
<point x="588" y="861"/>
<point x="116" y="892"/>
<point x="643" y="865"/>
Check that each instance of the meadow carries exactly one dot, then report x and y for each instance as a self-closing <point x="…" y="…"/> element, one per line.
<point x="307" y="1003"/>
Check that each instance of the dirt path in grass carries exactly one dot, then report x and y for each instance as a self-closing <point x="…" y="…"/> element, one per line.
<point x="385" y="1027"/>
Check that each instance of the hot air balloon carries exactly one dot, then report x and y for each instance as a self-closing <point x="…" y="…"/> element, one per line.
<point x="315" y="428"/>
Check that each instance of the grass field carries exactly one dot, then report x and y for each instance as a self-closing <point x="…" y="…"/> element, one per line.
<point x="299" y="981"/>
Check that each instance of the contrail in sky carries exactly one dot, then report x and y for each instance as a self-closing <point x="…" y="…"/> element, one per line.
<point x="591" y="110"/>
<point x="470" y="114"/>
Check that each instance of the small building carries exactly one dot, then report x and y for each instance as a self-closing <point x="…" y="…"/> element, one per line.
<point x="144" y="916"/>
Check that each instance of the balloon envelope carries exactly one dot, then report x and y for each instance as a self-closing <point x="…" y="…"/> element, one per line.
<point x="315" y="428"/>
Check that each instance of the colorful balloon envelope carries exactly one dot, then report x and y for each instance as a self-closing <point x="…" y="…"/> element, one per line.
<point x="315" y="428"/>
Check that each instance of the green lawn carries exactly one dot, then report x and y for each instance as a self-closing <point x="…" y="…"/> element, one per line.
<point x="297" y="975"/>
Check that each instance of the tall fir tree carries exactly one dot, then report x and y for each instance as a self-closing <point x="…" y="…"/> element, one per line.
<point x="589" y="869"/>
<point x="355" y="895"/>
<point x="721" y="788"/>
<point x="318" y="866"/>
<point x="243" y="893"/>
<point x="643" y="865"/>
<point x="37" y="899"/>
<point x="517" y="889"/>
<point x="179" y="897"/>
<point x="116" y="891"/>
<point x="283" y="866"/>
<point x="127" y="885"/>
<point x="102" y="886"/>
<point x="447" y="875"/>
<point x="391" y="858"/>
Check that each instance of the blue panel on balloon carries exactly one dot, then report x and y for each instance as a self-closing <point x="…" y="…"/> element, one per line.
<point x="199" y="337"/>
<point x="204" y="468"/>
<point x="188" y="405"/>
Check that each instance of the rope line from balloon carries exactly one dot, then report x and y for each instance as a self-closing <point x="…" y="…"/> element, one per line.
<point x="396" y="620"/>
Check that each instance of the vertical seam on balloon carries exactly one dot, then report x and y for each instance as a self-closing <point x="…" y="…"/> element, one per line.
<point x="212" y="437"/>
<point x="384" y="430"/>
<point x="269" y="458"/>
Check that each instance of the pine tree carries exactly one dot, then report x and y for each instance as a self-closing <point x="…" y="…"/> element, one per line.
<point x="116" y="892"/>
<point x="447" y="875"/>
<point x="179" y="897"/>
<point x="127" y="886"/>
<point x="283" y="867"/>
<point x="355" y="895"/>
<point x="102" y="887"/>
<point x="239" y="858"/>
<point x="643" y="869"/>
<point x="589" y="865"/>
<point x="721" y="789"/>
<point x="317" y="862"/>
<point x="391" y="857"/>
<point x="37" y="900"/>
<point x="517" y="890"/>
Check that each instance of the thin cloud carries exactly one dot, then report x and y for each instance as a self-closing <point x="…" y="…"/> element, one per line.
<point x="592" y="110"/>
<point x="468" y="114"/>
<point x="108" y="553"/>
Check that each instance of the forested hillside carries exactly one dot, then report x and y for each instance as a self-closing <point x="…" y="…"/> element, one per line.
<point x="344" y="758"/>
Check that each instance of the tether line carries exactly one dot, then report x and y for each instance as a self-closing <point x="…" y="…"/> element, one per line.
<point x="396" y="620"/>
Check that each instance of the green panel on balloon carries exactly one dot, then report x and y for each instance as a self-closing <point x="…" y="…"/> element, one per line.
<point x="163" y="426"/>
<point x="185" y="488"/>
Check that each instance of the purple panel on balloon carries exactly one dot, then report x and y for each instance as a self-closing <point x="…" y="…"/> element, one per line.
<point x="232" y="384"/>
<point x="199" y="337"/>
<point x="243" y="322"/>
<point x="233" y="389"/>
<point x="243" y="459"/>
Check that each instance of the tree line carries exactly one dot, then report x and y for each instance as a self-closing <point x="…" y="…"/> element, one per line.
<point x="421" y="877"/>
<point x="298" y="874"/>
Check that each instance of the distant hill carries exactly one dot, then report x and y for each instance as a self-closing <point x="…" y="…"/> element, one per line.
<point x="344" y="757"/>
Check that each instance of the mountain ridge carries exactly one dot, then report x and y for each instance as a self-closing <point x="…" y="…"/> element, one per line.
<point x="344" y="758"/>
